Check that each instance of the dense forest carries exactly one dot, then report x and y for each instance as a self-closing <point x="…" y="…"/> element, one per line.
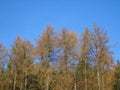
<point x="60" y="61"/>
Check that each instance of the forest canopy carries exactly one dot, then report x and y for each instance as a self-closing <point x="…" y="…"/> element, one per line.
<point x="60" y="61"/>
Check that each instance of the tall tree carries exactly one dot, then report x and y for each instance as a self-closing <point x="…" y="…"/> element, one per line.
<point x="116" y="85"/>
<point x="2" y="67"/>
<point x="85" y="51"/>
<point x="20" y="63"/>
<point x="68" y="42"/>
<point x="45" y="51"/>
<point x="102" y="55"/>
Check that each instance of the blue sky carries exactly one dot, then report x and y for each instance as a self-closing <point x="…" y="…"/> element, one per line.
<point x="28" y="18"/>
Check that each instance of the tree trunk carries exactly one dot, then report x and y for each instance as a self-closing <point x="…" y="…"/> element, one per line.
<point x="21" y="86"/>
<point x="98" y="78"/>
<point x="75" y="86"/>
<point x="75" y="82"/>
<point x="14" y="86"/>
<point x="26" y="83"/>
<point x="85" y="76"/>
<point x="47" y="85"/>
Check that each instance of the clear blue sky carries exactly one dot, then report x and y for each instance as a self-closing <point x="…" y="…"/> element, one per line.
<point x="28" y="18"/>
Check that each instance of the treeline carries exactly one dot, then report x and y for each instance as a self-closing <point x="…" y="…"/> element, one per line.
<point x="60" y="61"/>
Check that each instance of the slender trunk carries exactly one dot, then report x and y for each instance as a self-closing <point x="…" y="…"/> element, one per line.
<point x="66" y="80"/>
<point x="14" y="86"/>
<point x="26" y="83"/>
<point x="21" y="86"/>
<point x="85" y="76"/>
<point x="61" y="84"/>
<point x="75" y="84"/>
<point x="93" y="75"/>
<point x="39" y="80"/>
<point x="66" y="68"/>
<point x="48" y="76"/>
<point x="102" y="82"/>
<point x="98" y="78"/>
<point x="47" y="85"/>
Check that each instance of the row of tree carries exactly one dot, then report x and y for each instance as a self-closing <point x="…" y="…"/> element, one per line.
<point x="60" y="61"/>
